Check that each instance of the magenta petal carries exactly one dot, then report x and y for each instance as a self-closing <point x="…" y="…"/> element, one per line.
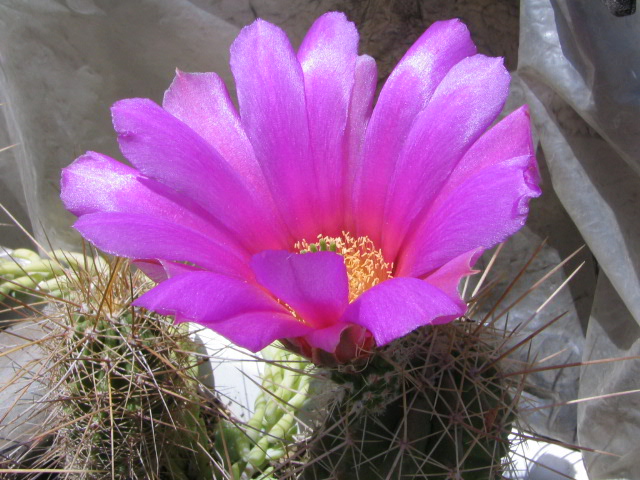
<point x="270" y="87"/>
<point x="202" y="102"/>
<point x="482" y="212"/>
<point x="406" y="92"/>
<point x="328" y="58"/>
<point x="360" y="108"/>
<point x="152" y="269"/>
<point x="140" y="236"/>
<point x="509" y="138"/>
<point x="90" y="183"/>
<point x="398" y="306"/>
<point x="463" y="106"/>
<point x="314" y="284"/>
<point x="174" y="268"/>
<point x="164" y="148"/>
<point x="97" y="183"/>
<point x="160" y="270"/>
<point x="207" y="298"/>
<point x="240" y="311"/>
<point x="254" y="331"/>
<point x="327" y="338"/>
<point x="447" y="278"/>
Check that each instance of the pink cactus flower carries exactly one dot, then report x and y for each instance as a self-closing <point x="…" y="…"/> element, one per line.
<point x="310" y="215"/>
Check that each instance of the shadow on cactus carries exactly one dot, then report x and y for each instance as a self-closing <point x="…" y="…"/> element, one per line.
<point x="122" y="389"/>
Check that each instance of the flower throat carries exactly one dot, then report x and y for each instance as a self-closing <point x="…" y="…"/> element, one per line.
<point x="365" y="264"/>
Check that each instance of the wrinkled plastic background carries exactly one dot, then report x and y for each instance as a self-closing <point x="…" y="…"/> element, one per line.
<point x="64" y="62"/>
<point x="580" y="68"/>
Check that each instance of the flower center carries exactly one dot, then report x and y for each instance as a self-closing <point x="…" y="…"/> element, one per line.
<point x="366" y="266"/>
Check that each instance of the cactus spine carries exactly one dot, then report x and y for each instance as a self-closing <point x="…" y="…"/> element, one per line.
<point x="124" y="386"/>
<point x="429" y="406"/>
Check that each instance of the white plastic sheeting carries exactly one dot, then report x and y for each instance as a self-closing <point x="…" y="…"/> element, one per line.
<point x="64" y="62"/>
<point x="580" y="67"/>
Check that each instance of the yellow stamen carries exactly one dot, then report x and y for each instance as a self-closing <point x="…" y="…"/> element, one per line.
<point x="366" y="266"/>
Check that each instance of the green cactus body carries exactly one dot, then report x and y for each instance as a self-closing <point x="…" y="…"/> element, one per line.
<point x="429" y="406"/>
<point x="129" y="396"/>
<point x="118" y="375"/>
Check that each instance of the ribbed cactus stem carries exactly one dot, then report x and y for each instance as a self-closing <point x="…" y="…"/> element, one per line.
<point x="271" y="428"/>
<point x="19" y="284"/>
<point x="25" y="254"/>
<point x="24" y="270"/>
<point x="254" y="425"/>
